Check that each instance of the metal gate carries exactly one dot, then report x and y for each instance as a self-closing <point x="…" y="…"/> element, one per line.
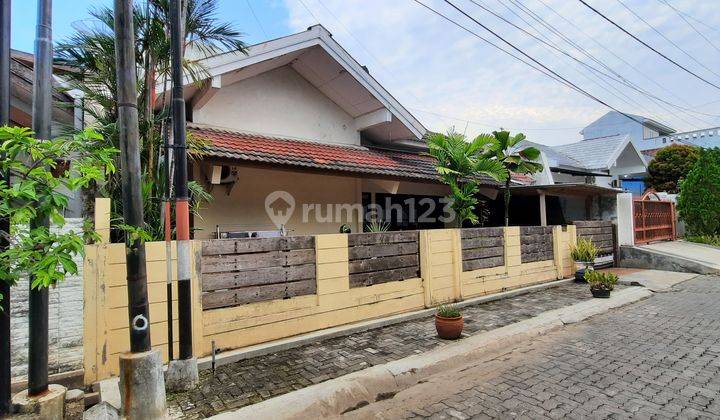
<point x="654" y="220"/>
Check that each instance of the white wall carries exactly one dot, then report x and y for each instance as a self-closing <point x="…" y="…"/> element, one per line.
<point x="65" y="332"/>
<point x="279" y="102"/>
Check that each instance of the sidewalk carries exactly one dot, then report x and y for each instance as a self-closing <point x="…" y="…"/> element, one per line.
<point x="256" y="379"/>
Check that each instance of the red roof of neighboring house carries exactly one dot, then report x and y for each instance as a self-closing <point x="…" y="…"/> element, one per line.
<point x="273" y="150"/>
<point x="523" y="179"/>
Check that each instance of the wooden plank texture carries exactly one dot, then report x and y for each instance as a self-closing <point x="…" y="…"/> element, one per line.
<point x="245" y="270"/>
<point x="482" y="248"/>
<point x="262" y="293"/>
<point x="536" y="243"/>
<point x="382" y="257"/>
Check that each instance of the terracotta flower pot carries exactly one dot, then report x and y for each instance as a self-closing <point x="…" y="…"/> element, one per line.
<point x="449" y="328"/>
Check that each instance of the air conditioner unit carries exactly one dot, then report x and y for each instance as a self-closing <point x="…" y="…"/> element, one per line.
<point x="222" y="174"/>
<point x="616" y="183"/>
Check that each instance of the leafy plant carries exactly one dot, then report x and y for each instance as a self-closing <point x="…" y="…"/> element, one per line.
<point x="713" y="240"/>
<point x="699" y="199"/>
<point x="584" y="251"/>
<point x="36" y="195"/>
<point x="90" y="53"/>
<point x="599" y="280"/>
<point x="377" y="226"/>
<point x="670" y="165"/>
<point x="514" y="159"/>
<point x="449" y="311"/>
<point x="461" y="164"/>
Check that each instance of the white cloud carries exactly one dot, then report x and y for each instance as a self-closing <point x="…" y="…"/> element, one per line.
<point x="430" y="65"/>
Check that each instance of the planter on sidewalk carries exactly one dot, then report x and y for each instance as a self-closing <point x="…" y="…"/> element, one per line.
<point x="584" y="253"/>
<point x="449" y="322"/>
<point x="601" y="284"/>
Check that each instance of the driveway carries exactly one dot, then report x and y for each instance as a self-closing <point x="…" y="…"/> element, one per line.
<point x="704" y="254"/>
<point x="659" y="358"/>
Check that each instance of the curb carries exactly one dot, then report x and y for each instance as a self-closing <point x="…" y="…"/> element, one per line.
<point x="262" y="349"/>
<point x="336" y="396"/>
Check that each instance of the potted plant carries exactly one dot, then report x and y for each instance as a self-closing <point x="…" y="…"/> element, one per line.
<point x="448" y="322"/>
<point x="601" y="284"/>
<point x="584" y="253"/>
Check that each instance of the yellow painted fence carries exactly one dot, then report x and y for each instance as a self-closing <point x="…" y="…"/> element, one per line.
<point x="335" y="303"/>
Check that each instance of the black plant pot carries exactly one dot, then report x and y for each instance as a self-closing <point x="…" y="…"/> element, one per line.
<point x="580" y="273"/>
<point x="600" y="293"/>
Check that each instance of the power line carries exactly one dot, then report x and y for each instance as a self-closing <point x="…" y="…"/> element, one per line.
<point x="611" y="52"/>
<point x="619" y="78"/>
<point x="573" y="85"/>
<point x="554" y="47"/>
<point x="475" y="34"/>
<point x="668" y="39"/>
<point x="649" y="46"/>
<point x="256" y="18"/>
<point x="691" y="25"/>
<point x="485" y="124"/>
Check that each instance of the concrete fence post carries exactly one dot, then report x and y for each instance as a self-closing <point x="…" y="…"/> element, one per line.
<point x="625" y="219"/>
<point x="425" y="268"/>
<point x="102" y="219"/>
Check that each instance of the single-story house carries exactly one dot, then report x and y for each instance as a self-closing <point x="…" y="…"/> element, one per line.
<point x="299" y="119"/>
<point x="579" y="180"/>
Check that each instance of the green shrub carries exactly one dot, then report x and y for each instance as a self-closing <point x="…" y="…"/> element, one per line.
<point x="600" y="280"/>
<point x="584" y="251"/>
<point x="699" y="199"/>
<point x="449" y="311"/>
<point x="670" y="165"/>
<point x="713" y="240"/>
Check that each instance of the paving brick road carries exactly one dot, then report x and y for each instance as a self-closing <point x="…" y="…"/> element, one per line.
<point x="253" y="380"/>
<point x="658" y="358"/>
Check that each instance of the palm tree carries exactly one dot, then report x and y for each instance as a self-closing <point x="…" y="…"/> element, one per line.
<point x="461" y="164"/>
<point x="89" y="56"/>
<point x="514" y="158"/>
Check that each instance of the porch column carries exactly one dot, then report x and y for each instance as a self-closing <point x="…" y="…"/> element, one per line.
<point x="543" y="210"/>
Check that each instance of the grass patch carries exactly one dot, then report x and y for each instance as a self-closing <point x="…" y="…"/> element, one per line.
<point x="713" y="240"/>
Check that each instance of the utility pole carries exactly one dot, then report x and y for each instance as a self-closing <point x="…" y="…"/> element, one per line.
<point x="142" y="386"/>
<point x="41" y="122"/>
<point x="182" y="373"/>
<point x="5" y="404"/>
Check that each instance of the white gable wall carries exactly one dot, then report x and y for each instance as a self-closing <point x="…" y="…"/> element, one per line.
<point x="281" y="103"/>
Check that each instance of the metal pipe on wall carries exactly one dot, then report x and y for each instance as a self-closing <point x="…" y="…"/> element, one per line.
<point x="128" y="130"/>
<point x="5" y="403"/>
<point x="42" y="123"/>
<point x="182" y="205"/>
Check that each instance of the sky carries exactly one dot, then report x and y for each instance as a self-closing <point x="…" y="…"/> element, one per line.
<point x="448" y="78"/>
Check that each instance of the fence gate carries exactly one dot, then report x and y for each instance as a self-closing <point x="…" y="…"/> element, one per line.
<point x="654" y="220"/>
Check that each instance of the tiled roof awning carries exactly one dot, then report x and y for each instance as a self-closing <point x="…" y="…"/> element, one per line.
<point x="231" y="145"/>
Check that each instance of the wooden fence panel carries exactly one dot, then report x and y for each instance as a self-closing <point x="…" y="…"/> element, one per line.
<point x="536" y="243"/>
<point x="246" y="270"/>
<point x="600" y="232"/>
<point x="383" y="257"/>
<point x="482" y="248"/>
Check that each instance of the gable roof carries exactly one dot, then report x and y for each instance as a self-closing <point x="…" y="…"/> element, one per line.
<point x="316" y="55"/>
<point x="598" y="153"/>
<point x="247" y="147"/>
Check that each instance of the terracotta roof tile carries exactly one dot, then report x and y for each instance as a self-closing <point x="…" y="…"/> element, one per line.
<point x="265" y="149"/>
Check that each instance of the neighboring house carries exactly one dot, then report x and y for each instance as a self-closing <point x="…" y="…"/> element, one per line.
<point x="299" y="114"/>
<point x="636" y="126"/>
<point x="579" y="180"/>
<point x="648" y="136"/>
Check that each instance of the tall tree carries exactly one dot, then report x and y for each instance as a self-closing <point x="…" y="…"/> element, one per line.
<point x="91" y="52"/>
<point x="699" y="199"/>
<point x="670" y="165"/>
<point x="514" y="158"/>
<point x="461" y="164"/>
